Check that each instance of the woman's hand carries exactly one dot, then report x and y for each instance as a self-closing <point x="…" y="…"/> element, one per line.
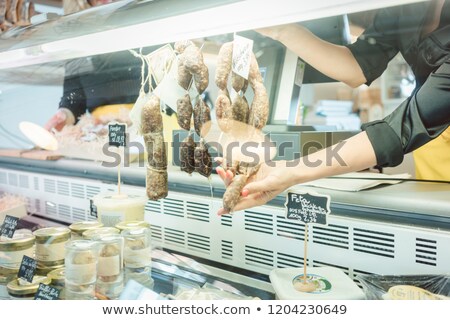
<point x="353" y="154"/>
<point x="62" y="117"/>
<point x="271" y="179"/>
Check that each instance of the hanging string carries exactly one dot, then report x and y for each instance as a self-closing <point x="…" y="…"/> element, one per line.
<point x="156" y="170"/>
<point x="144" y="79"/>
<point x="150" y="76"/>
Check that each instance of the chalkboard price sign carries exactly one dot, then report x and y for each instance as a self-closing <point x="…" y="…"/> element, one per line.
<point x="117" y="134"/>
<point x="27" y="269"/>
<point x="93" y="209"/>
<point x="9" y="226"/>
<point x="307" y="207"/>
<point x="46" y="292"/>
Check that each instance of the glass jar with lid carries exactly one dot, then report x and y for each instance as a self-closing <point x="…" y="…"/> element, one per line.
<point x="78" y="228"/>
<point x="133" y="224"/>
<point x="13" y="250"/>
<point x="81" y="269"/>
<point x="138" y="255"/>
<point x="44" y="271"/>
<point x="114" y="208"/>
<point x="91" y="234"/>
<point x="50" y="244"/>
<point x="9" y="272"/>
<point x="110" y="265"/>
<point x="4" y="280"/>
<point x="57" y="279"/>
<point x="22" y="290"/>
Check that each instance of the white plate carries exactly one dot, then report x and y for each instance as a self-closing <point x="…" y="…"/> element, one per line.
<point x="38" y="135"/>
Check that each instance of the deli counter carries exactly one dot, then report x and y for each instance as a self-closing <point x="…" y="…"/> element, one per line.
<point x="400" y="229"/>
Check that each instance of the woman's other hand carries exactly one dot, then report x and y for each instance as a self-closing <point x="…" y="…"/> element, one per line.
<point x="62" y="117"/>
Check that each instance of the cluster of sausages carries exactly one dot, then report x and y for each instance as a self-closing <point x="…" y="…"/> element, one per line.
<point x="15" y="13"/>
<point x="191" y="67"/>
<point x="195" y="156"/>
<point x="228" y="112"/>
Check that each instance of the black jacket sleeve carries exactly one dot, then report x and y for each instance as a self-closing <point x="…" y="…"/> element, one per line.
<point x="419" y="119"/>
<point x="378" y="44"/>
<point x="73" y="97"/>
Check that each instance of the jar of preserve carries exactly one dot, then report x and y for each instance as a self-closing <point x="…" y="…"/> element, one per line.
<point x="50" y="246"/>
<point x="78" y="228"/>
<point x="13" y="250"/>
<point x="92" y="234"/>
<point x="57" y="279"/>
<point x="44" y="271"/>
<point x="133" y="224"/>
<point x="22" y="290"/>
<point x="115" y="208"/>
<point x="110" y="265"/>
<point x="81" y="269"/>
<point x="138" y="255"/>
<point x="4" y="280"/>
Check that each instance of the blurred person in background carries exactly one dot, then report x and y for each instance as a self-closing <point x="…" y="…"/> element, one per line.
<point x="101" y="84"/>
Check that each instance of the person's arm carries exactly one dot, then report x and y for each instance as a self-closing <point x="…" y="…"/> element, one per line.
<point x="71" y="106"/>
<point x="418" y="120"/>
<point x="333" y="60"/>
<point x="353" y="154"/>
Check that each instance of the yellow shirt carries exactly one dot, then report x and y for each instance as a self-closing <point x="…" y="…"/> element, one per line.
<point x="432" y="161"/>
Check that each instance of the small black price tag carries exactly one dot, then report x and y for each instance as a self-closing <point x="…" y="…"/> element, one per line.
<point x="27" y="269"/>
<point x="93" y="209"/>
<point x="9" y="226"/>
<point x="46" y="292"/>
<point x="117" y="134"/>
<point x="307" y="207"/>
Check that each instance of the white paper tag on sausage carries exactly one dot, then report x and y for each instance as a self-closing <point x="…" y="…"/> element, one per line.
<point x="135" y="113"/>
<point x="242" y="56"/>
<point x="160" y="62"/>
<point x="169" y="91"/>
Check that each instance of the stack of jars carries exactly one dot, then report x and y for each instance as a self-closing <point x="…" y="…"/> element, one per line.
<point x="12" y="252"/>
<point x="85" y="261"/>
<point x="115" y="255"/>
